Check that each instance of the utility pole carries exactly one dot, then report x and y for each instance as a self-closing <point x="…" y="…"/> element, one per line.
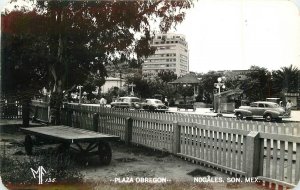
<point x="219" y="85"/>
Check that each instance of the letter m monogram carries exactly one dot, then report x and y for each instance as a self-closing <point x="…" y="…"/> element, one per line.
<point x="40" y="172"/>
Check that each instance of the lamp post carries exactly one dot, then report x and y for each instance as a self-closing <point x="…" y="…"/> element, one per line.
<point x="79" y="87"/>
<point x="220" y="84"/>
<point x="132" y="85"/>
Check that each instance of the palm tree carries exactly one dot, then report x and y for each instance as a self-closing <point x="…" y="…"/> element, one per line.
<point x="285" y="80"/>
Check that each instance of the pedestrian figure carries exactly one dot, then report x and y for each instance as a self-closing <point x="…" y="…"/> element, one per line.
<point x="102" y="101"/>
<point x="288" y="107"/>
<point x="166" y="101"/>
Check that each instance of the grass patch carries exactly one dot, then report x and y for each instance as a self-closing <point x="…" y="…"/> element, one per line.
<point x="18" y="171"/>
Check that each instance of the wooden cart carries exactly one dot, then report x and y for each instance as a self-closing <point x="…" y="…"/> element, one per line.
<point x="87" y="143"/>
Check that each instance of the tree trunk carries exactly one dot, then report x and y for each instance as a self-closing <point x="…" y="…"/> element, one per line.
<point x="25" y="112"/>
<point x="57" y="93"/>
<point x="55" y="107"/>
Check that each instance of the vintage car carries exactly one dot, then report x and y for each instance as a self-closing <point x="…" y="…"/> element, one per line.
<point x="126" y="103"/>
<point x="154" y="105"/>
<point x="267" y="110"/>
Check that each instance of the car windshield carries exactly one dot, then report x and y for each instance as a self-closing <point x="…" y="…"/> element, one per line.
<point x="124" y="100"/>
<point x="135" y="100"/>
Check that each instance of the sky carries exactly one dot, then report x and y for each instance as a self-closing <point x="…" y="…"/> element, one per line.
<point x="235" y="34"/>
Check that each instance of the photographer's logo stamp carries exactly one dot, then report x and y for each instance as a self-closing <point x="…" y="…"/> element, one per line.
<point x="39" y="173"/>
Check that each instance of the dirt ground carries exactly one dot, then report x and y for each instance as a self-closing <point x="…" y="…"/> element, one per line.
<point x="132" y="163"/>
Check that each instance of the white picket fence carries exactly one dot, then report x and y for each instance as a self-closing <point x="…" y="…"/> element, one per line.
<point x="270" y="151"/>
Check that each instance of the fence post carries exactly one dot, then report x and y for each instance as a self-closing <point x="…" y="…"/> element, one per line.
<point x="176" y="138"/>
<point x="95" y="121"/>
<point x="253" y="151"/>
<point x="25" y="113"/>
<point x="128" y="130"/>
<point x="69" y="117"/>
<point x="49" y="113"/>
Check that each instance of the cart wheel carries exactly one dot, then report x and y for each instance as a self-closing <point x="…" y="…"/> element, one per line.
<point x="28" y="144"/>
<point x="104" y="152"/>
<point x="63" y="148"/>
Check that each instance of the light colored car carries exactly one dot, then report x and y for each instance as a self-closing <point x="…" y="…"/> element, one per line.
<point x="154" y="105"/>
<point x="126" y="103"/>
<point x="267" y="110"/>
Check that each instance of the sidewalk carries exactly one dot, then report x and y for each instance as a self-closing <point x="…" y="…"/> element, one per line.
<point x="295" y="114"/>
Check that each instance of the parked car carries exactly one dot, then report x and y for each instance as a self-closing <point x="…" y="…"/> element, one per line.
<point x="267" y="110"/>
<point x="126" y="103"/>
<point x="154" y="105"/>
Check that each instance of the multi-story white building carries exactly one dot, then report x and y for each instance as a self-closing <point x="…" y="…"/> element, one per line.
<point x="171" y="54"/>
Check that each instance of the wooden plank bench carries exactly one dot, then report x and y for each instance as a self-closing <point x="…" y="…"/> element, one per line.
<point x="71" y="138"/>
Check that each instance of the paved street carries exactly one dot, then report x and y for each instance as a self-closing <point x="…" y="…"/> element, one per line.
<point x="295" y="115"/>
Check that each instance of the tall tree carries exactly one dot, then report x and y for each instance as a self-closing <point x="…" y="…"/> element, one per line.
<point x="256" y="87"/>
<point x="207" y="84"/>
<point x="23" y="68"/>
<point x="83" y="35"/>
<point x="286" y="79"/>
<point x="142" y="87"/>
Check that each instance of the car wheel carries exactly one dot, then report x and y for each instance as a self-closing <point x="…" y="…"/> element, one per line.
<point x="239" y="116"/>
<point x="136" y="106"/>
<point x="268" y="117"/>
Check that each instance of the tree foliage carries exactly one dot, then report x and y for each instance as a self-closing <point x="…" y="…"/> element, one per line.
<point x="142" y="87"/>
<point x="23" y="69"/>
<point x="286" y="79"/>
<point x="167" y="76"/>
<point x="207" y="85"/>
<point x="81" y="36"/>
<point x="256" y="87"/>
<point x="64" y="42"/>
<point x="185" y="90"/>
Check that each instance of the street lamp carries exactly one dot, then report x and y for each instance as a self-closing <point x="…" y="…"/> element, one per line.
<point x="220" y="84"/>
<point x="131" y="85"/>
